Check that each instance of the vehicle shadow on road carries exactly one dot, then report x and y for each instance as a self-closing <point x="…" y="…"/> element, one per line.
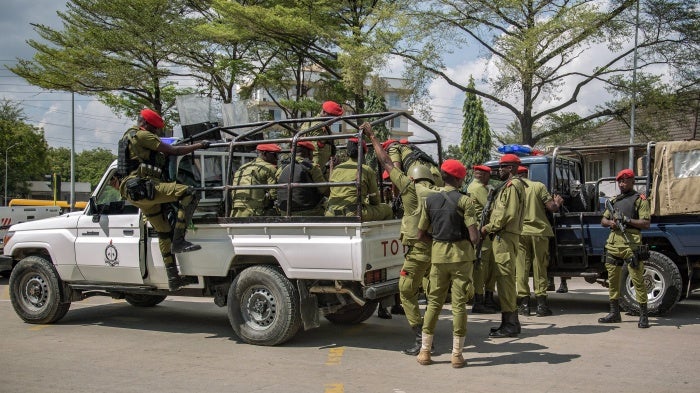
<point x="169" y="317"/>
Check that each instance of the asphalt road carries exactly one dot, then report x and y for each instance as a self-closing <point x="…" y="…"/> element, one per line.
<point x="187" y="345"/>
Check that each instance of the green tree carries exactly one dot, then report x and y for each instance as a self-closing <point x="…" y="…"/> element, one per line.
<point x="476" y="133"/>
<point x="453" y="151"/>
<point x="535" y="44"/>
<point x="17" y="140"/>
<point x="122" y="51"/>
<point x="91" y="165"/>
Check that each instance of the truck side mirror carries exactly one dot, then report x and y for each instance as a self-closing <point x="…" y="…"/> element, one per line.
<point x="94" y="210"/>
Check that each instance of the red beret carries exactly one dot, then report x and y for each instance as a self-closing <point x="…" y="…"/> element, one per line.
<point x="307" y="145"/>
<point x="454" y="168"/>
<point x="404" y="141"/>
<point x="624" y="173"/>
<point x="522" y="169"/>
<point x="332" y="108"/>
<point x="152" y="118"/>
<point x="364" y="145"/>
<point x="482" y="168"/>
<point x="269" y="147"/>
<point x="385" y="175"/>
<point x="509" y="159"/>
<point x="388" y="143"/>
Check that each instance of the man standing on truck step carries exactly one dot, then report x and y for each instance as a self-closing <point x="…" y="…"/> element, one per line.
<point x="405" y="156"/>
<point x="414" y="188"/>
<point x="533" y="251"/>
<point x="306" y="201"/>
<point x="631" y="212"/>
<point x="505" y="224"/>
<point x="325" y="149"/>
<point x="484" y="279"/>
<point x="141" y="164"/>
<point x="344" y="201"/>
<point x="449" y="219"/>
<point x="248" y="202"/>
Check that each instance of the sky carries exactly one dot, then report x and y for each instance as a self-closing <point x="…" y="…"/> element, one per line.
<point x="96" y="126"/>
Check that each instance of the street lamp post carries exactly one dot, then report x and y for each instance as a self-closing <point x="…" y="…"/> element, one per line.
<point x="6" y="151"/>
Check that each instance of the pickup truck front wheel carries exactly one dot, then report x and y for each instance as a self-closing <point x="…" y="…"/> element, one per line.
<point x="263" y="306"/>
<point x="663" y="282"/>
<point x="35" y="291"/>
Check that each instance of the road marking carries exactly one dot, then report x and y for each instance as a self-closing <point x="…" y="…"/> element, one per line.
<point x="333" y="388"/>
<point x="36" y="328"/>
<point x="334" y="356"/>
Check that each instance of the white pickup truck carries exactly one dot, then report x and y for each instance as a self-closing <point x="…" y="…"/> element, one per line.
<point x="274" y="274"/>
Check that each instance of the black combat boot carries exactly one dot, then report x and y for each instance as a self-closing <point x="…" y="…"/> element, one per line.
<point x="643" y="316"/>
<point x="415" y="349"/>
<point x="175" y="281"/>
<point x="490" y="302"/>
<point x="179" y="243"/>
<point x="503" y="322"/>
<point x="563" y="288"/>
<point x="510" y="328"/>
<point x="478" y="307"/>
<point x="550" y="284"/>
<point x="383" y="313"/>
<point x="542" y="309"/>
<point x="614" y="314"/>
<point x="397" y="309"/>
<point x="524" y="306"/>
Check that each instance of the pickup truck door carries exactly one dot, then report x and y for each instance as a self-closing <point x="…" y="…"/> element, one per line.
<point x="108" y="244"/>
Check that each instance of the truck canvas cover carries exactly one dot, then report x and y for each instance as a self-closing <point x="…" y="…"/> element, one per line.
<point x="676" y="178"/>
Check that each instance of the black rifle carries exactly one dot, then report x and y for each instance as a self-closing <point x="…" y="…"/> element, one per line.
<point x="485" y="214"/>
<point x="617" y="216"/>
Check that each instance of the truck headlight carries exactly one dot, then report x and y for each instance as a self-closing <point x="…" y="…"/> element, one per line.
<point x="7" y="237"/>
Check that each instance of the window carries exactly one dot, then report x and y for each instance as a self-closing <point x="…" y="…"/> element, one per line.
<point x="613" y="167"/>
<point x="393" y="100"/>
<point x="274" y="114"/>
<point x="595" y="170"/>
<point x="396" y="123"/>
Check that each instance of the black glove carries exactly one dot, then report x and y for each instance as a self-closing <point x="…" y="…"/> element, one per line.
<point x="205" y="144"/>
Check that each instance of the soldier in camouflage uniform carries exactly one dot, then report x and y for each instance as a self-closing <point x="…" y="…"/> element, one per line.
<point x="414" y="189"/>
<point x="504" y="225"/>
<point x="306" y="201"/>
<point x="325" y="149"/>
<point x="405" y="156"/>
<point x="344" y="201"/>
<point x="632" y="210"/>
<point x="263" y="170"/>
<point x="142" y="184"/>
<point x="484" y="279"/>
<point x="449" y="219"/>
<point x="533" y="252"/>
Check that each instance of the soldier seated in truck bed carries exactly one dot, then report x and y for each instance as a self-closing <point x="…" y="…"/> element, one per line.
<point x="343" y="200"/>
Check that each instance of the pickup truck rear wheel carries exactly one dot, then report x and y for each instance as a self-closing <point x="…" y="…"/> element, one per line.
<point x="263" y="306"/>
<point x="353" y="314"/>
<point x="141" y="300"/>
<point x="663" y="282"/>
<point x="35" y="291"/>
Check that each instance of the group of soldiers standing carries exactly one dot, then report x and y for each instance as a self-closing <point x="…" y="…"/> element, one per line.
<point x="443" y="229"/>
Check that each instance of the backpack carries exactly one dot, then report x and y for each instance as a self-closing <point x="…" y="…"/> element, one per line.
<point x="303" y="198"/>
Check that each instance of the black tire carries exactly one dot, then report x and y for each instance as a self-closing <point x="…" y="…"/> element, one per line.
<point x="263" y="306"/>
<point x="353" y="314"/>
<point x="663" y="282"/>
<point x="142" y="300"/>
<point x="35" y="291"/>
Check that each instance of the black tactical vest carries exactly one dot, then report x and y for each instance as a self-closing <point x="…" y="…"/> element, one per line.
<point x="624" y="203"/>
<point x="303" y="198"/>
<point x="446" y="218"/>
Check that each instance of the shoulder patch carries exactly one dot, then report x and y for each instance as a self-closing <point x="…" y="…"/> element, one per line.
<point x="510" y="183"/>
<point x="642" y="197"/>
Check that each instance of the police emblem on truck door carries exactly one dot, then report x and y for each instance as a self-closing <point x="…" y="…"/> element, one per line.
<point x="111" y="255"/>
